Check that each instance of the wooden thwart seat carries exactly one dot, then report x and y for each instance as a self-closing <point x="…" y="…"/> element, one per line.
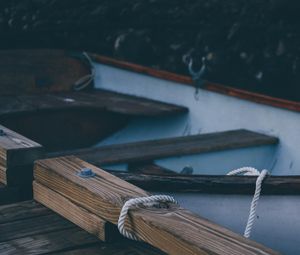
<point x="173" y="229"/>
<point x="95" y="100"/>
<point x="178" y="146"/>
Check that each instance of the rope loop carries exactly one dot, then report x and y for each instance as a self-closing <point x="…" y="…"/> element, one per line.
<point x="147" y="201"/>
<point x="247" y="171"/>
<point x="250" y="171"/>
<point x="86" y="80"/>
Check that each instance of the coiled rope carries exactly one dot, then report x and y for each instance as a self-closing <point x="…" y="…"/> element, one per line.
<point x="250" y="171"/>
<point x="146" y="201"/>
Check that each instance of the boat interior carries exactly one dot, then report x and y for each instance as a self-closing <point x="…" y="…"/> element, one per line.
<point x="153" y="129"/>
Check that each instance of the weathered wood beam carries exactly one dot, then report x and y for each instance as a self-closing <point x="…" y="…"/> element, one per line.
<point x="75" y="213"/>
<point x="172" y="229"/>
<point x="217" y="184"/>
<point x="3" y="174"/>
<point x="17" y="150"/>
<point x="17" y="154"/>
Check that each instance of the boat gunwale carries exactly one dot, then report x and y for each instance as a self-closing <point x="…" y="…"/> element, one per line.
<point x="211" y="184"/>
<point x="211" y="86"/>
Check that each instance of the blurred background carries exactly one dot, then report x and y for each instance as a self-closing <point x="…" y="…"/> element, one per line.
<point x="254" y="45"/>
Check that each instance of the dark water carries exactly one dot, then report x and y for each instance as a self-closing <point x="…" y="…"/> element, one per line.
<point x="253" y="45"/>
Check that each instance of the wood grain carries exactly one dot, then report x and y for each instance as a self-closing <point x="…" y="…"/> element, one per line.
<point x="74" y="213"/>
<point x="3" y="178"/>
<point x="47" y="242"/>
<point x="22" y="210"/>
<point x="118" y="248"/>
<point x="178" y="146"/>
<point x="60" y="240"/>
<point x="17" y="150"/>
<point x="93" y="100"/>
<point x="216" y="184"/>
<point x="186" y="80"/>
<point x="32" y="226"/>
<point x="171" y="229"/>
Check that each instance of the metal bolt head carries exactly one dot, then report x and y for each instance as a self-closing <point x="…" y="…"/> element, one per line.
<point x="86" y="173"/>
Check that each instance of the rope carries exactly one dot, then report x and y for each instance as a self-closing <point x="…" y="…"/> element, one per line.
<point x="250" y="171"/>
<point x="86" y="80"/>
<point x="151" y="200"/>
<point x="146" y="201"/>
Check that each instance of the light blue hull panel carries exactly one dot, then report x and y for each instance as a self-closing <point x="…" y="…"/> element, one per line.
<point x="277" y="224"/>
<point x="221" y="162"/>
<point x="208" y="112"/>
<point x="216" y="163"/>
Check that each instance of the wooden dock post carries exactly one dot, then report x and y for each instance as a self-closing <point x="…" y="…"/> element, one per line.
<point x="174" y="230"/>
<point x="17" y="154"/>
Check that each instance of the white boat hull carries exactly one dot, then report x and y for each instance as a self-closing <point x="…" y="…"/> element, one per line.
<point x="208" y="112"/>
<point x="277" y="224"/>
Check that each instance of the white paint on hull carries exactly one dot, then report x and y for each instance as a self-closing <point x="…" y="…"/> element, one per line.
<point x="277" y="225"/>
<point x="216" y="163"/>
<point x="221" y="162"/>
<point x="211" y="112"/>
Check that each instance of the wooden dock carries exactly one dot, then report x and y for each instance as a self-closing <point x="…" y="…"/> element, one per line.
<point x="29" y="228"/>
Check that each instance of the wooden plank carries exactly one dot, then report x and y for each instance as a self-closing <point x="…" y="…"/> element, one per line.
<point x="178" y="146"/>
<point x="147" y="168"/>
<point x="118" y="248"/>
<point x="217" y="184"/>
<point x="49" y="242"/>
<point x="74" y="213"/>
<point x="211" y="86"/>
<point x="172" y="229"/>
<point x="68" y="240"/>
<point x="3" y="175"/>
<point x="17" y="150"/>
<point x="93" y="100"/>
<point x="32" y="226"/>
<point x="22" y="210"/>
<point x="17" y="154"/>
<point x="38" y="71"/>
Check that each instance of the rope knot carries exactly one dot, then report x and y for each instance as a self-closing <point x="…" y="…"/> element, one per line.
<point x="149" y="201"/>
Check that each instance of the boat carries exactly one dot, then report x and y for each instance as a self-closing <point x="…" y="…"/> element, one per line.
<point x="164" y="133"/>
